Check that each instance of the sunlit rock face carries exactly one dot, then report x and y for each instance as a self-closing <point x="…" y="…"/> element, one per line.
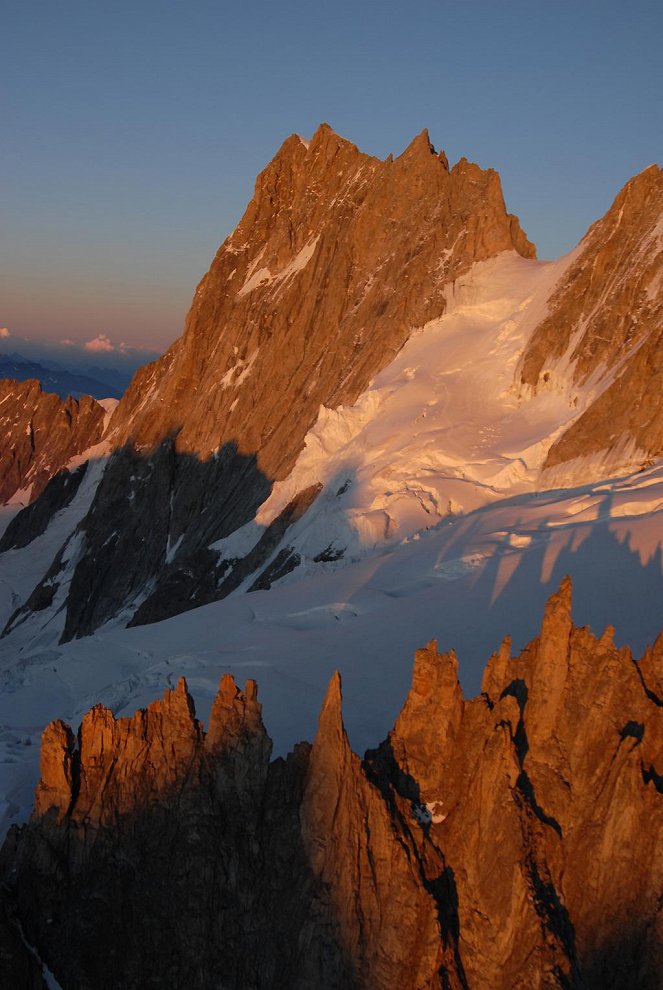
<point x="316" y="289"/>
<point x="605" y="324"/>
<point x="507" y="841"/>
<point x="40" y="434"/>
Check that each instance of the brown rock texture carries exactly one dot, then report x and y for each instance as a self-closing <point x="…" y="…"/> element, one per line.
<point x="606" y="318"/>
<point x="509" y="841"/>
<point x="539" y="805"/>
<point x="388" y="922"/>
<point x="40" y="434"/>
<point x="317" y="289"/>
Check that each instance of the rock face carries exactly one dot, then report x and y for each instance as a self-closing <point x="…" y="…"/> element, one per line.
<point x="606" y="321"/>
<point x="508" y="841"/>
<point x="40" y="434"/>
<point x="315" y="291"/>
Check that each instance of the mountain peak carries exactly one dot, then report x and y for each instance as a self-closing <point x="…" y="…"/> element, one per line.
<point x="306" y="294"/>
<point x="420" y="144"/>
<point x="325" y="137"/>
<point x="325" y="128"/>
<point x="430" y="717"/>
<point x="557" y="624"/>
<point x="293" y="145"/>
<point x="420" y="150"/>
<point x="235" y="715"/>
<point x="606" y="331"/>
<point x="331" y="713"/>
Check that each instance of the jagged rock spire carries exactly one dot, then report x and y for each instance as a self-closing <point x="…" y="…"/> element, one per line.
<point x="552" y="660"/>
<point x="506" y="841"/>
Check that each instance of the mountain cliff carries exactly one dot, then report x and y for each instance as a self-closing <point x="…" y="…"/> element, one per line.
<point x="510" y="840"/>
<point x="605" y="328"/>
<point x="40" y="435"/>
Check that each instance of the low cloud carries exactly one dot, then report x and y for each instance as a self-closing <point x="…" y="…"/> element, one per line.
<point x="4" y="332"/>
<point x="68" y="343"/>
<point x="101" y="343"/>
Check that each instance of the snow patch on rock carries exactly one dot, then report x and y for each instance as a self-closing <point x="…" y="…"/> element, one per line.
<point x="261" y="277"/>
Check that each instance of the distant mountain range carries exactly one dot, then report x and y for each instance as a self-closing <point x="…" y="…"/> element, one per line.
<point x="101" y="383"/>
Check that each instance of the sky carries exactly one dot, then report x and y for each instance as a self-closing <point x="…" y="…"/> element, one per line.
<point x="132" y="132"/>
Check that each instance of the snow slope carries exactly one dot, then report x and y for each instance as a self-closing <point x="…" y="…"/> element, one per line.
<point x="440" y="432"/>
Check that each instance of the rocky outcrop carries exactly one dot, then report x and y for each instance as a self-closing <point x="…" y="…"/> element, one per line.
<point x="40" y="435"/>
<point x="315" y="291"/>
<point x="507" y="841"/>
<point x="178" y="589"/>
<point x="387" y="919"/>
<point x="605" y="322"/>
<point x="148" y="516"/>
<point x="196" y="835"/>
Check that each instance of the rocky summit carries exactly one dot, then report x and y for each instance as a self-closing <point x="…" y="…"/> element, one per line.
<point x="508" y="841"/>
<point x="315" y="291"/>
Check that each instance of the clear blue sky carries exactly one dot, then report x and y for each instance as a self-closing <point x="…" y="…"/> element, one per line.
<point x="132" y="132"/>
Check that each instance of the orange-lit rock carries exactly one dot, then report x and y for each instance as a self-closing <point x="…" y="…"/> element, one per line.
<point x="606" y="319"/>
<point x="508" y="841"/>
<point x="387" y="920"/>
<point x="54" y="790"/>
<point x="40" y="434"/>
<point x="317" y="289"/>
